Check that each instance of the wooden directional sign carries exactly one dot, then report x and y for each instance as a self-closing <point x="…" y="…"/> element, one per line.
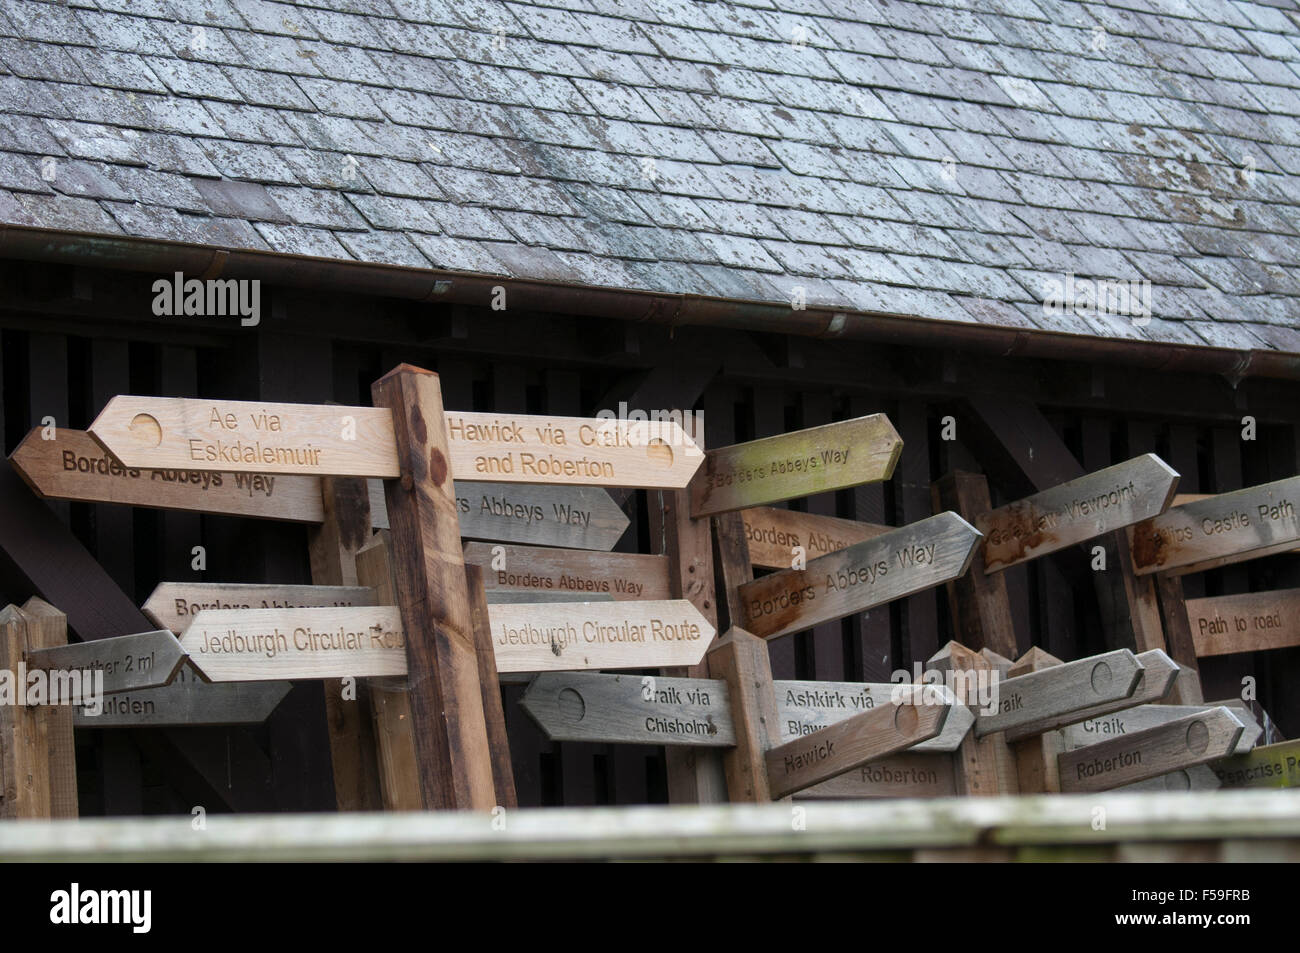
<point x="1052" y="691"/>
<point x="329" y="440"/>
<point x="573" y="572"/>
<point x="830" y="457"/>
<point x="1268" y="766"/>
<point x="1199" y="777"/>
<point x="1132" y="720"/>
<point x="898" y="775"/>
<point x="851" y="743"/>
<point x="1195" y="536"/>
<point x="129" y="662"/>
<point x="1181" y="743"/>
<point x="576" y="517"/>
<point x="501" y="597"/>
<point x="896" y="564"/>
<point x="187" y="701"/>
<point x="636" y="709"/>
<point x="570" y="636"/>
<point x="74" y="467"/>
<point x="237" y="645"/>
<point x="1245" y="623"/>
<point x="1156" y="681"/>
<point x="773" y="535"/>
<point x="173" y="605"/>
<point x="1079" y="510"/>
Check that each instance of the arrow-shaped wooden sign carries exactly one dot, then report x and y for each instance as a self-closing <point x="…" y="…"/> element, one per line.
<point x="1079" y="510"/>
<point x="173" y="605"/>
<point x="187" y="701"/>
<point x="1193" y="739"/>
<point x="649" y="709"/>
<point x="330" y="440"/>
<point x="850" y="744"/>
<point x="906" y="774"/>
<point x="802" y="463"/>
<point x="1054" y="691"/>
<point x="1249" y="622"/>
<point x="775" y="535"/>
<point x="576" y="517"/>
<point x="1268" y="766"/>
<point x="901" y="562"/>
<point x="577" y="573"/>
<point x="1132" y="720"/>
<point x="1156" y="680"/>
<point x="1256" y="521"/>
<point x="128" y="662"/>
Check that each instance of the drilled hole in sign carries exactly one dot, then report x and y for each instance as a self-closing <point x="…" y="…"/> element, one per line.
<point x="1178" y="780"/>
<point x="146" y="430"/>
<point x="571" y="705"/>
<point x="659" y="453"/>
<point x="906" y="719"/>
<point x="1101" y="677"/>
<point x="1198" y="737"/>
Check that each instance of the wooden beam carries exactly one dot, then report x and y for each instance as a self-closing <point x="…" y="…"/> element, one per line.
<point x="503" y="777"/>
<point x="47" y="627"/>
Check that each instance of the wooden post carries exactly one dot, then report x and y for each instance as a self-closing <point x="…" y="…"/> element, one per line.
<point x="503" y="775"/>
<point x="1036" y="768"/>
<point x="46" y="628"/>
<point x="333" y="547"/>
<point x="24" y="753"/>
<point x="1178" y="632"/>
<point x="452" y="752"/>
<point x="984" y="765"/>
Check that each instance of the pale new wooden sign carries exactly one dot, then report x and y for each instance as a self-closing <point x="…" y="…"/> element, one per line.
<point x="1256" y="521"/>
<point x="1191" y="740"/>
<point x="802" y="463"/>
<point x="128" y="662"/>
<point x="73" y="466"/>
<point x="549" y="637"/>
<point x="1037" y="696"/>
<point x="1251" y="622"/>
<point x="1079" y="510"/>
<point x="896" y="564"/>
<point x="244" y="645"/>
<point x="775" y="536"/>
<point x="173" y="605"/>
<point x="187" y="702"/>
<point x="573" y="572"/>
<point x="1155" y="681"/>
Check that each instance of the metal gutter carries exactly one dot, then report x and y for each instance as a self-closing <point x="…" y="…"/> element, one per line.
<point x="421" y="284"/>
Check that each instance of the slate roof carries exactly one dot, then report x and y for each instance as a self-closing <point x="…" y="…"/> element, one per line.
<point x="938" y="159"/>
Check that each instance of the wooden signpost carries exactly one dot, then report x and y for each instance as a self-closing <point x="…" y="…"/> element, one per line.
<point x="907" y="774"/>
<point x="1132" y="720"/>
<point x="173" y="605"/>
<point x="1076" y="511"/>
<point x="576" y="517"/>
<point x="1249" y="622"/>
<point x="645" y="709"/>
<point x="1268" y="766"/>
<point x="803" y="463"/>
<point x="548" y="637"/>
<point x="570" y="572"/>
<point x="1218" y="530"/>
<point x="774" y="535"/>
<point x="1059" y="689"/>
<point x="188" y="702"/>
<point x="330" y="440"/>
<point x="1190" y="740"/>
<point x="903" y="561"/>
<point x="236" y="645"/>
<point x="128" y="662"/>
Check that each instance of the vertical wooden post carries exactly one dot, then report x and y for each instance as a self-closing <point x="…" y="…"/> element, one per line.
<point x="984" y="765"/>
<point x="333" y="547"/>
<point x="46" y="628"/>
<point x="448" y="727"/>
<point x="503" y="774"/>
<point x="1036" y="767"/>
<point x="390" y="708"/>
<point x="24" y="754"/>
<point x="1178" y="632"/>
<point x="695" y="775"/>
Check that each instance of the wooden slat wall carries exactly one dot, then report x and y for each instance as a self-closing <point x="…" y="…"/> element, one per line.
<point x="49" y="373"/>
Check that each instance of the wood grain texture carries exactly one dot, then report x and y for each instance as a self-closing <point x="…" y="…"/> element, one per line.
<point x="1132" y="720"/>
<point x="47" y="628"/>
<point x="1178" y="636"/>
<point x="572" y="636"/>
<point x="851" y="743"/>
<point x="449" y="728"/>
<point x="1257" y="520"/>
<point x="1249" y="622"/>
<point x="740" y="661"/>
<point x="248" y="436"/>
<point x="24" y="751"/>
<point x="1078" y="510"/>
<point x="1267" y="766"/>
<point x="984" y="767"/>
<point x="503" y="775"/>
<point x="903" y="561"/>
<point x="74" y="467"/>
<point x="773" y="533"/>
<point x="1048" y="691"/>
<point x="906" y="774"/>
<point x="790" y="465"/>
<point x="188" y="702"/>
<point x="804" y="707"/>
<point x="128" y="662"/>
<point x="1181" y="743"/>
<point x="1155" y="682"/>
<point x="173" y="605"/>
<point x="1036" y="765"/>
<point x="576" y="517"/>
<point x="577" y="574"/>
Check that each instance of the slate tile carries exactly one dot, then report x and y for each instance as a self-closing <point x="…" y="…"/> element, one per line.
<point x="392" y="213"/>
<point x="191" y="78"/>
<point x="285" y="19"/>
<point x="27" y="174"/>
<point x="49" y="22"/>
<point x="174" y="154"/>
<point x="612" y="67"/>
<point x="68" y="213"/>
<point x="246" y="160"/>
<point x="867" y="168"/>
<point x="548" y="230"/>
<point x="225" y="232"/>
<point x="386" y="248"/>
<point x="342" y="28"/>
<point x="36" y="136"/>
<point x="995" y="313"/>
<point x="469" y="221"/>
<point x="252" y="124"/>
<point x="996" y="251"/>
<point x="156" y="188"/>
<point x="732" y="147"/>
<point x="340" y="99"/>
<point x="148" y="221"/>
<point x="263" y="88"/>
<point x="33" y="60"/>
<point x="246" y="200"/>
<point x="19" y="95"/>
<point x="296" y="240"/>
<point x="739" y="252"/>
